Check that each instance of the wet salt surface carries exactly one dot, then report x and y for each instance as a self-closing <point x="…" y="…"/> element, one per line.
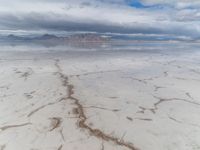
<point x="144" y="98"/>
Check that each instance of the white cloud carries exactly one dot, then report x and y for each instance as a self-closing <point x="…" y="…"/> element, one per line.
<point x="182" y="18"/>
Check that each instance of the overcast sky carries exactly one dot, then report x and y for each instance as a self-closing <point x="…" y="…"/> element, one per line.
<point x="173" y="17"/>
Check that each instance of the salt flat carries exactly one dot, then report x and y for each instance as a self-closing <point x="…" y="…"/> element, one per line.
<point x="100" y="100"/>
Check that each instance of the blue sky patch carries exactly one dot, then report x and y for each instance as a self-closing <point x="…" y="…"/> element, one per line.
<point x="138" y="4"/>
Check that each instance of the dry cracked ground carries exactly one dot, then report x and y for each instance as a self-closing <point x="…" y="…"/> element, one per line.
<point x="100" y="100"/>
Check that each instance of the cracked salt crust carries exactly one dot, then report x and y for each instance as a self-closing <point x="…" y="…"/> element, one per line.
<point x="123" y="101"/>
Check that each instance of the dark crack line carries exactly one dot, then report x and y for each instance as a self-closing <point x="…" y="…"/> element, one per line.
<point x="136" y="79"/>
<point x="144" y="80"/>
<point x="62" y="135"/>
<point x="189" y="95"/>
<point x="3" y="147"/>
<point x="129" y="118"/>
<point x="5" y="87"/>
<point x="166" y="74"/>
<point x="186" y="79"/>
<point x="83" y="118"/>
<point x="195" y="71"/>
<point x="181" y="122"/>
<point x="26" y="74"/>
<point x="173" y="119"/>
<point x="143" y="110"/>
<point x="151" y="79"/>
<point x="156" y="88"/>
<point x="56" y="122"/>
<point x="60" y="147"/>
<point x="102" y="146"/>
<point x="43" y="106"/>
<point x="144" y="119"/>
<point x="93" y="73"/>
<point x="162" y="100"/>
<point x="102" y="108"/>
<point x="13" y="126"/>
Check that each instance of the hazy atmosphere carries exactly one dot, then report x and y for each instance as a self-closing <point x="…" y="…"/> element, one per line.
<point x="173" y="17"/>
<point x="99" y="75"/>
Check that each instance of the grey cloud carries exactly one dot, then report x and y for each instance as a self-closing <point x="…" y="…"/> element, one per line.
<point x="99" y="16"/>
<point x="40" y="22"/>
<point x="35" y="21"/>
<point x="188" y="15"/>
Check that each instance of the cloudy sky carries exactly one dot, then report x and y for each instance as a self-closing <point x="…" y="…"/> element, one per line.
<point x="163" y="17"/>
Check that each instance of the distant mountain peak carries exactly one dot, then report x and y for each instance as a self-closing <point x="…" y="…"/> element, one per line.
<point x="48" y="36"/>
